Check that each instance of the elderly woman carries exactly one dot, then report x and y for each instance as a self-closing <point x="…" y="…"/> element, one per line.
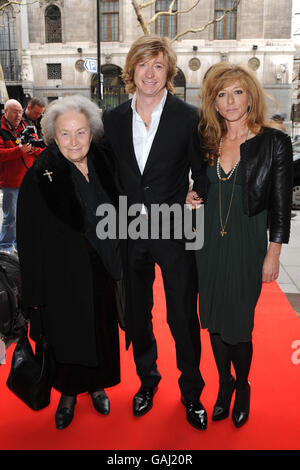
<point x="68" y="273"/>
<point x="249" y="167"/>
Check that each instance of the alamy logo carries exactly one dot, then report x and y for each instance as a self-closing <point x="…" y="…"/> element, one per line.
<point x="162" y="222"/>
<point x="296" y="354"/>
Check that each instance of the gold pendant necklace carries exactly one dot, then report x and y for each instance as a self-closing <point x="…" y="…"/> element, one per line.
<point x="223" y="225"/>
<point x="226" y="178"/>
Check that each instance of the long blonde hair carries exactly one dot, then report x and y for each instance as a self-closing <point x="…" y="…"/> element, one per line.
<point x="212" y="124"/>
<point x="144" y="49"/>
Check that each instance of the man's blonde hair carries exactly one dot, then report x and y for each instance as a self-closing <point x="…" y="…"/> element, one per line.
<point x="144" y="49"/>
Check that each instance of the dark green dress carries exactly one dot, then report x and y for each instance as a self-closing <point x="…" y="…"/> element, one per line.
<point x="230" y="267"/>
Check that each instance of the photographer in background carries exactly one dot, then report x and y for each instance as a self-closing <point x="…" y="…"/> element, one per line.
<point x="32" y="114"/>
<point x="15" y="159"/>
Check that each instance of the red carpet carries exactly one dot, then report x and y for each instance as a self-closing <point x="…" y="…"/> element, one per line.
<point x="275" y="405"/>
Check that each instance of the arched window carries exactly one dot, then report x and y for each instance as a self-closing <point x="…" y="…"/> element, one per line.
<point x="113" y="87"/>
<point x="180" y="85"/>
<point x="53" y="31"/>
<point x="8" y="46"/>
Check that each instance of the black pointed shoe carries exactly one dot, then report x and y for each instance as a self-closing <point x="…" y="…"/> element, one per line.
<point x="101" y="402"/>
<point x="222" y="406"/>
<point x="143" y="400"/>
<point x="241" y="407"/>
<point x="64" y="414"/>
<point x="195" y="414"/>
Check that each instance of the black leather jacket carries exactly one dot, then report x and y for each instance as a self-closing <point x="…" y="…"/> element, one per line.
<point x="267" y="178"/>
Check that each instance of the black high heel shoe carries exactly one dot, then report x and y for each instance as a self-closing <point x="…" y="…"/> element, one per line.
<point x="221" y="408"/>
<point x="241" y="407"/>
<point x="65" y="412"/>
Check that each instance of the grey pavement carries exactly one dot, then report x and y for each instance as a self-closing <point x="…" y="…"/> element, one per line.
<point x="289" y="275"/>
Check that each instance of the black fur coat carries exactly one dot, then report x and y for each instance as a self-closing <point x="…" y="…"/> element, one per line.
<point x="54" y="260"/>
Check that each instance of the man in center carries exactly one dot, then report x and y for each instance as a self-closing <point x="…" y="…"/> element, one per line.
<point x="154" y="139"/>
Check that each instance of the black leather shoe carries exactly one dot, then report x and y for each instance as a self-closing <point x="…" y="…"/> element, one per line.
<point x="241" y="407"/>
<point x="101" y="402"/>
<point x="143" y="400"/>
<point x="221" y="408"/>
<point x="195" y="414"/>
<point x="64" y="414"/>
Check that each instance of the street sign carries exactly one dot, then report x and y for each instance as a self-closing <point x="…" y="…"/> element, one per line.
<point x="90" y="65"/>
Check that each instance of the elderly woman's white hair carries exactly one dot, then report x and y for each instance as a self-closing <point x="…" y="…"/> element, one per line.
<point x="78" y="103"/>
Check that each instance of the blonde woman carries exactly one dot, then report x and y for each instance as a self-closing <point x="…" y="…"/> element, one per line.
<point x="249" y="167"/>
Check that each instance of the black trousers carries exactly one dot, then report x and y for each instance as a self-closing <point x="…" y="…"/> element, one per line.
<point x="180" y="284"/>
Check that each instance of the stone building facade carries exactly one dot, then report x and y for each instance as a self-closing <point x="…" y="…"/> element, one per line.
<point x="54" y="38"/>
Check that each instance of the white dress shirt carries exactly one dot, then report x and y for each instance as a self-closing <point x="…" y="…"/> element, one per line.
<point x="143" y="138"/>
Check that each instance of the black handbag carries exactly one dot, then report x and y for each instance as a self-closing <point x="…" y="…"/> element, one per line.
<point x="31" y="375"/>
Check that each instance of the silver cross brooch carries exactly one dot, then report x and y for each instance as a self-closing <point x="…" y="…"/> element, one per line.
<point x="48" y="173"/>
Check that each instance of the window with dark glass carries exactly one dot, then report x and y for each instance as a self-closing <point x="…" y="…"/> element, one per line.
<point x="53" y="30"/>
<point x="109" y="24"/>
<point x="166" y="25"/>
<point x="226" y="28"/>
<point x="51" y="98"/>
<point x="296" y="85"/>
<point x="8" y="46"/>
<point x="180" y="85"/>
<point x="114" y="92"/>
<point x="53" y="71"/>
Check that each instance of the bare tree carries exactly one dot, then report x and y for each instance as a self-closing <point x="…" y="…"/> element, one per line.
<point x="145" y="23"/>
<point x="6" y="3"/>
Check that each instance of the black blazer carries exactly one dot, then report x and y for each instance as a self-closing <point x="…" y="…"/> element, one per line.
<point x="175" y="150"/>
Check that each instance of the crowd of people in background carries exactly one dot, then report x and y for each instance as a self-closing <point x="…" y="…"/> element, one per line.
<point x="15" y="159"/>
